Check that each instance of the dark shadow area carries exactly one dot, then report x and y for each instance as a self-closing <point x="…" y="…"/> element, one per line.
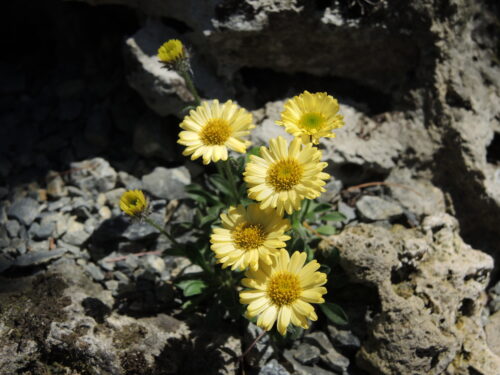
<point x="493" y="150"/>
<point x="62" y="87"/>
<point x="271" y="85"/>
<point x="201" y="353"/>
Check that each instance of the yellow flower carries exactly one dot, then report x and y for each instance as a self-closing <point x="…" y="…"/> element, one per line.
<point x="249" y="235"/>
<point x="134" y="203"/>
<point x="284" y="291"/>
<point x="285" y="175"/>
<point x="171" y="51"/>
<point x="311" y="116"/>
<point x="211" y="129"/>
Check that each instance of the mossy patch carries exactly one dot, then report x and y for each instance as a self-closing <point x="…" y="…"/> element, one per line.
<point x="129" y="335"/>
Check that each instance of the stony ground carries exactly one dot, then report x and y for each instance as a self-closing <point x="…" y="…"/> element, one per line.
<point x="416" y="173"/>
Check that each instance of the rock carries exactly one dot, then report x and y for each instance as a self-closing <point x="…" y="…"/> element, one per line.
<point x="333" y="188"/>
<point x="492" y="330"/>
<point x="93" y="174"/>
<point x="113" y="196"/>
<point x="58" y="204"/>
<point x="42" y="231"/>
<point x="343" y="338"/>
<point x="154" y="263"/>
<point x="262" y="350"/>
<point x="153" y="138"/>
<point x="12" y="227"/>
<point x="139" y="231"/>
<point x="266" y="128"/>
<point x="273" y="368"/>
<point x="55" y="185"/>
<point x="415" y="194"/>
<point x="75" y="233"/>
<point x="329" y="356"/>
<point x="164" y="90"/>
<point x="430" y="284"/>
<point x="5" y="262"/>
<point x="25" y="210"/>
<point x="36" y="258"/>
<point x="347" y="211"/>
<point x="300" y="369"/>
<point x="364" y="148"/>
<point x="167" y="183"/>
<point x="376" y="208"/>
<point x="105" y="213"/>
<point x="307" y="354"/>
<point x="94" y="272"/>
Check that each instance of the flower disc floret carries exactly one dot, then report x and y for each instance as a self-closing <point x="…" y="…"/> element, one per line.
<point x="171" y="51"/>
<point x="249" y="236"/>
<point x="134" y="203"/>
<point x="285" y="174"/>
<point x="311" y="116"/>
<point x="212" y="129"/>
<point x="283" y="291"/>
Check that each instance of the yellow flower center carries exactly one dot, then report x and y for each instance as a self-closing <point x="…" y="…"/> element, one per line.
<point x="215" y="132"/>
<point x="283" y="288"/>
<point x="248" y="236"/>
<point x="312" y="122"/>
<point x="284" y="174"/>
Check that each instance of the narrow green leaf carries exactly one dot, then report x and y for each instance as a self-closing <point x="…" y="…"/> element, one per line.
<point x="326" y="230"/>
<point x="191" y="287"/>
<point x="334" y="216"/>
<point x="334" y="313"/>
<point x="322" y="208"/>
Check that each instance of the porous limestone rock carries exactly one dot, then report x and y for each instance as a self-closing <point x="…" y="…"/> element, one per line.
<point x="431" y="292"/>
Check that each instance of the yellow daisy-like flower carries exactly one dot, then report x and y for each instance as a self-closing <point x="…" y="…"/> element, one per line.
<point x="212" y="128"/>
<point x="134" y="203"/>
<point x="249" y="235"/>
<point x="284" y="291"/>
<point x="171" y="51"/>
<point x="285" y="174"/>
<point x="311" y="116"/>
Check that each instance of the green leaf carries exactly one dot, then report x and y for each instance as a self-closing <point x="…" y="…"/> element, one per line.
<point x="326" y="230"/>
<point x="221" y="184"/>
<point x="192" y="287"/>
<point x="322" y="208"/>
<point x="334" y="216"/>
<point x="334" y="313"/>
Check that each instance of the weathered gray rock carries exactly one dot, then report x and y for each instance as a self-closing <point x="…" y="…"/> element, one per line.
<point x="417" y="195"/>
<point x="93" y="174"/>
<point x="36" y="258"/>
<point x="42" y="231"/>
<point x="262" y="350"/>
<point x="13" y="228"/>
<point x="329" y="357"/>
<point x="75" y="233"/>
<point x="266" y="128"/>
<point x="492" y="330"/>
<point x="307" y="354"/>
<point x="273" y="368"/>
<point x="364" y="148"/>
<point x="376" y="208"/>
<point x="430" y="285"/>
<point x="55" y="185"/>
<point x="343" y="338"/>
<point x="167" y="183"/>
<point x="25" y="210"/>
<point x="163" y="90"/>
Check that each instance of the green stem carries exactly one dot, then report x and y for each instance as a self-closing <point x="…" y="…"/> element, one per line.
<point x="191" y="87"/>
<point x="232" y="180"/>
<point x="304" y="210"/>
<point x="163" y="231"/>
